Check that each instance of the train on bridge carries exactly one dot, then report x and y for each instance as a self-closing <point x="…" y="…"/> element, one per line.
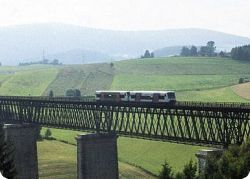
<point x="137" y="96"/>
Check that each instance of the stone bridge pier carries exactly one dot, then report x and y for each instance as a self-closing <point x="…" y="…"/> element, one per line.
<point x="96" y="153"/>
<point x="23" y="138"/>
<point x="97" y="156"/>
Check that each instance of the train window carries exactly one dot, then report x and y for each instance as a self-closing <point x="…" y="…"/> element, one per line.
<point x="146" y="97"/>
<point x="98" y="95"/>
<point x="161" y="97"/>
<point x="171" y="95"/>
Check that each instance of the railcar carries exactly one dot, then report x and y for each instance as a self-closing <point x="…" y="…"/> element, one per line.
<point x="152" y="96"/>
<point x="136" y="96"/>
<point x="112" y="96"/>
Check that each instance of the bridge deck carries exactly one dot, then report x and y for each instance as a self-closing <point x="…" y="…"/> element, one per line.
<point x="187" y="122"/>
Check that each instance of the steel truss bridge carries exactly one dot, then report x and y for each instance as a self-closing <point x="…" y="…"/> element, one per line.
<point x="186" y="122"/>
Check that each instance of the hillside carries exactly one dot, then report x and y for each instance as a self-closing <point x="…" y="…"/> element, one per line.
<point x="197" y="78"/>
<point x="58" y="40"/>
<point x="167" y="51"/>
<point x="194" y="79"/>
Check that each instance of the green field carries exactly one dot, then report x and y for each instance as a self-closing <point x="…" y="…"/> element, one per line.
<point x="87" y="78"/>
<point x="146" y="154"/>
<point x="27" y="81"/>
<point x="200" y="77"/>
<point x="193" y="79"/>
<point x="57" y="160"/>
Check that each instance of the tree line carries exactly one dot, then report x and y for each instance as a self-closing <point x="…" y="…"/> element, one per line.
<point x="148" y="54"/>
<point x="208" y="50"/>
<point x="44" y="61"/>
<point x="237" y="53"/>
<point x="241" y="52"/>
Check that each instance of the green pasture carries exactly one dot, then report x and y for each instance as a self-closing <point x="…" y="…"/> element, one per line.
<point x="87" y="78"/>
<point x="183" y="65"/>
<point x="193" y="79"/>
<point x="213" y="95"/>
<point x="57" y="160"/>
<point x="173" y="82"/>
<point x="146" y="154"/>
<point x="29" y="82"/>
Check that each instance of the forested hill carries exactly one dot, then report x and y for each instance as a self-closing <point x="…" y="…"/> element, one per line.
<point x="24" y="43"/>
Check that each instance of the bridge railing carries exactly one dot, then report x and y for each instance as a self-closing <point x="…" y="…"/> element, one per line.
<point x="196" y="122"/>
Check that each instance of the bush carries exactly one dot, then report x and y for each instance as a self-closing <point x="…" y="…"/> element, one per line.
<point x="241" y="80"/>
<point x="73" y="93"/>
<point x="234" y="163"/>
<point x="48" y="134"/>
<point x="189" y="171"/>
<point x="51" y="93"/>
<point x="166" y="172"/>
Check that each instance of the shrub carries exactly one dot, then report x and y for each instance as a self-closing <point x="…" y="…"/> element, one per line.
<point x="189" y="171"/>
<point x="241" y="80"/>
<point x="47" y="134"/>
<point x="234" y="163"/>
<point x="166" y="172"/>
<point x="51" y="93"/>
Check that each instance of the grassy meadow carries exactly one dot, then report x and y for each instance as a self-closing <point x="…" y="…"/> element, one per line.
<point x="57" y="160"/>
<point x="193" y="79"/>
<point x="146" y="154"/>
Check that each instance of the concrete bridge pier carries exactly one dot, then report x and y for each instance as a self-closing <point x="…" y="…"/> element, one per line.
<point x="97" y="156"/>
<point x="23" y="138"/>
<point x="204" y="154"/>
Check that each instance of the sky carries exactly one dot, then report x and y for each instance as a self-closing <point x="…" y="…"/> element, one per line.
<point x="230" y="16"/>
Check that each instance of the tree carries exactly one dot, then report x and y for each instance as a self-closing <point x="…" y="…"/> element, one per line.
<point x="241" y="53"/>
<point x="77" y="93"/>
<point x="45" y="61"/>
<point x="203" y="51"/>
<point x="241" y="80"/>
<point x="211" y="48"/>
<point x="70" y="93"/>
<point x="222" y="54"/>
<point x="7" y="164"/>
<point x="55" y="62"/>
<point x="166" y="172"/>
<point x="189" y="170"/>
<point x="152" y="55"/>
<point x="185" y="51"/>
<point x="193" y="51"/>
<point x="51" y="94"/>
<point x="47" y="134"/>
<point x="147" y="54"/>
<point x="73" y="93"/>
<point x="111" y="64"/>
<point x="234" y="163"/>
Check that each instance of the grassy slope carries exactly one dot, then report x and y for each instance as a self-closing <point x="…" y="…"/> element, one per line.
<point x="179" y="73"/>
<point x="28" y="82"/>
<point x="214" y="95"/>
<point x="204" y="79"/>
<point x="87" y="78"/>
<point x="146" y="154"/>
<point x="58" y="161"/>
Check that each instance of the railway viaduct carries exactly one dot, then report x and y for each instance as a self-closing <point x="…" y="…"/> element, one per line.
<point x="199" y="123"/>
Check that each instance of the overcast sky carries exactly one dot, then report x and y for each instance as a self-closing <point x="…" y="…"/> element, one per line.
<point x="230" y="16"/>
